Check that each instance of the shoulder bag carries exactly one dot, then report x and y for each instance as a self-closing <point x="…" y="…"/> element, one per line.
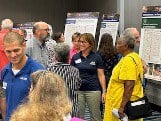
<point x="139" y="108"/>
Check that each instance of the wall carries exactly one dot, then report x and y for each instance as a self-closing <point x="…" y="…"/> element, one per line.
<point x="51" y="11"/>
<point x="105" y="6"/>
<point x="54" y="11"/>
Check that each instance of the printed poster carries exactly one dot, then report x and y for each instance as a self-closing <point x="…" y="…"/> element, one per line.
<point x="150" y="43"/>
<point x="109" y="24"/>
<point x="85" y="22"/>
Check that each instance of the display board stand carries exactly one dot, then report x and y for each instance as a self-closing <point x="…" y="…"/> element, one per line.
<point x="83" y="22"/>
<point x="150" y="51"/>
<point x="150" y="43"/>
<point x="109" y="24"/>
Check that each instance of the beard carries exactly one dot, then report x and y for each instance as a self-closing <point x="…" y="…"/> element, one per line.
<point x="44" y="38"/>
<point x="136" y="48"/>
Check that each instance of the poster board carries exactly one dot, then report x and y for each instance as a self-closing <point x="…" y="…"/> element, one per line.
<point x="83" y="22"/>
<point x="150" y="45"/>
<point x="109" y="24"/>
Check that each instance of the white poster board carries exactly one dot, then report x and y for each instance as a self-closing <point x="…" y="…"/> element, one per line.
<point x="109" y="24"/>
<point x="150" y="42"/>
<point x="80" y="22"/>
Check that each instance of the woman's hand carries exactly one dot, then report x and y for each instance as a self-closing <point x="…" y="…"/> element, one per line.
<point x="121" y="113"/>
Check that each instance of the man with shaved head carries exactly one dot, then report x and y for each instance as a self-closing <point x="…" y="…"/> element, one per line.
<point x="36" y="47"/>
<point x="6" y="26"/>
<point x="16" y="75"/>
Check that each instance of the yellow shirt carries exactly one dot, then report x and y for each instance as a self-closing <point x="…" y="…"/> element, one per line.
<point x="126" y="69"/>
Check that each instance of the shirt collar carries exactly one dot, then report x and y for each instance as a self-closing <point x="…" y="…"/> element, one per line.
<point x="90" y="53"/>
<point x="39" y="43"/>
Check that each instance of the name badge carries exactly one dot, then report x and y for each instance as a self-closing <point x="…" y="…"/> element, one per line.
<point x="78" y="61"/>
<point x="23" y="78"/>
<point x="92" y="63"/>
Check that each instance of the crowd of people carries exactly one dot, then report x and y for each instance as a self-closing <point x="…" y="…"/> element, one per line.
<point x="44" y="79"/>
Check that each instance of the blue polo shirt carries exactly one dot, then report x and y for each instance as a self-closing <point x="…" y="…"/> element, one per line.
<point x="88" y="70"/>
<point x="17" y="86"/>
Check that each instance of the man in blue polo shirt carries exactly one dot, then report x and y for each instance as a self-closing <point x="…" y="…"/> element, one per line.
<point x="16" y="75"/>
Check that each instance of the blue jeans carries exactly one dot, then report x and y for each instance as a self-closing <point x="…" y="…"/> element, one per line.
<point x="93" y="99"/>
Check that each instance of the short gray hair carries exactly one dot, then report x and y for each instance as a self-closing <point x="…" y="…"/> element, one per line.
<point x="38" y="25"/>
<point x="129" y="31"/>
<point x="62" y="51"/>
<point x="7" y="24"/>
<point x="128" y="38"/>
<point x="11" y="37"/>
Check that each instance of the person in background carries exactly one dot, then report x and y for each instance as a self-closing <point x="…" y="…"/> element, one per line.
<point x="126" y="81"/>
<point x="49" y="44"/>
<point x="48" y="100"/>
<point x="109" y="56"/>
<point x="23" y="33"/>
<point x="16" y="75"/>
<point x="6" y="26"/>
<point x="36" y="47"/>
<point x="75" y="48"/>
<point x="69" y="73"/>
<point x="58" y="37"/>
<point x="91" y="70"/>
<point x="134" y="32"/>
<point x="50" y="39"/>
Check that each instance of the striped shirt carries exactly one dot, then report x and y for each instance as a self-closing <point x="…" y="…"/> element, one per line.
<point x="70" y="74"/>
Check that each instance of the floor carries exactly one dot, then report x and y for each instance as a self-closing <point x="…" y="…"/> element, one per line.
<point x="156" y="116"/>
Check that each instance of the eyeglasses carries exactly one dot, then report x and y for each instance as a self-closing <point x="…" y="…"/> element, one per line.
<point x="83" y="42"/>
<point x="137" y="37"/>
<point x="45" y="29"/>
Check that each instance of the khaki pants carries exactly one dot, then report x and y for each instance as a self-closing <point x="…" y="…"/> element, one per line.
<point x="93" y="99"/>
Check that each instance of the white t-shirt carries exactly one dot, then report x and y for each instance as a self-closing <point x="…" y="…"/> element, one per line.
<point x="67" y="117"/>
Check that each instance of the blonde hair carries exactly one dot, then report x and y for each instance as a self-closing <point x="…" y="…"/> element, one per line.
<point x="48" y="101"/>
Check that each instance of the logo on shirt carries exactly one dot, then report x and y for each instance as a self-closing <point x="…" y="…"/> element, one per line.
<point x="23" y="78"/>
<point x="78" y="61"/>
<point x="92" y="63"/>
